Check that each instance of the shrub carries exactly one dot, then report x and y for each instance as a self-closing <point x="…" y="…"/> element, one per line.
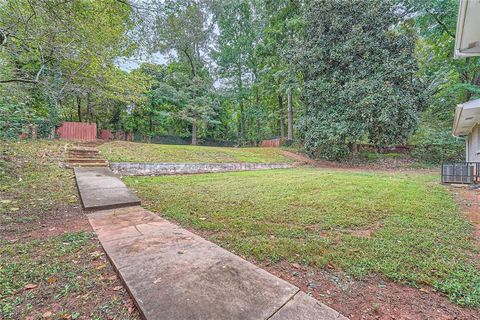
<point x="333" y="151"/>
<point x="12" y="119"/>
<point x="436" y="146"/>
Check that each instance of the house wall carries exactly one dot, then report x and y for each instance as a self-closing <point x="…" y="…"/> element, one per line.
<point x="473" y="145"/>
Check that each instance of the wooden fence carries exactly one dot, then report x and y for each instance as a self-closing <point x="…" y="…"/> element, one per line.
<point x="77" y="131"/>
<point x="272" y="143"/>
<point x="106" y="134"/>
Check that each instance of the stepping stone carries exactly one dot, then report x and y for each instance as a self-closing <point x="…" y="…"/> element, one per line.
<point x="174" y="274"/>
<point x="99" y="189"/>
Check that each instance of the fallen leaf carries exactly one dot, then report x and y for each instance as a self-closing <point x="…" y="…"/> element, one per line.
<point x="47" y="314"/>
<point x="52" y="280"/>
<point x="117" y="288"/>
<point x="424" y="290"/>
<point x="203" y="219"/>
<point x="30" y="286"/>
<point x="6" y="201"/>
<point x="14" y="209"/>
<point x="130" y="305"/>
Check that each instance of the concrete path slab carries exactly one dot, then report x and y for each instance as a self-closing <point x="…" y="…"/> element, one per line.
<point x="174" y="274"/>
<point x="304" y="307"/>
<point x="99" y="189"/>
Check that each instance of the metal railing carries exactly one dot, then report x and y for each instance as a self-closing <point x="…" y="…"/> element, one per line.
<point x="461" y="172"/>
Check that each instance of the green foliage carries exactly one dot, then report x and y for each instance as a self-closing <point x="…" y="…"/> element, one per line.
<point x="437" y="145"/>
<point x="447" y="81"/>
<point x="358" y="66"/>
<point x="13" y="119"/>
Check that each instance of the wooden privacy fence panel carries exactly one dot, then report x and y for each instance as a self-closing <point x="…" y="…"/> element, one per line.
<point x="78" y="131"/>
<point x="106" y="134"/>
<point x="272" y="143"/>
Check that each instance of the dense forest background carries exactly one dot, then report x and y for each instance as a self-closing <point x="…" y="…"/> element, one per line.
<point x="324" y="74"/>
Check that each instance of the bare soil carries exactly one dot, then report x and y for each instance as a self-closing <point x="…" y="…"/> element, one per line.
<point x="469" y="199"/>
<point x="56" y="222"/>
<point x="371" y="298"/>
<point x="387" y="164"/>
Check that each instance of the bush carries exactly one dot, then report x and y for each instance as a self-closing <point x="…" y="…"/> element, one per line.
<point x="436" y="146"/>
<point x="333" y="151"/>
<point x="12" y="119"/>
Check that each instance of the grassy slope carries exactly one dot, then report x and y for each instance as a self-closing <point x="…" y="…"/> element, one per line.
<point x="321" y="218"/>
<point x="142" y="152"/>
<point x="72" y="275"/>
<point x="31" y="180"/>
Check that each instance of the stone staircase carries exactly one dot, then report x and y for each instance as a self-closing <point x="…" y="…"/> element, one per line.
<point x="80" y="156"/>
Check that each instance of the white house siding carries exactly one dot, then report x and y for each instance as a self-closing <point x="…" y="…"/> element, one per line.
<point x="473" y="145"/>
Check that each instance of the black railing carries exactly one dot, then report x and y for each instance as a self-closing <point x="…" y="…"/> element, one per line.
<point x="461" y="172"/>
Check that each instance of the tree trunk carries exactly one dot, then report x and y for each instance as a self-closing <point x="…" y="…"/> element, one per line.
<point x="79" y="109"/>
<point x="194" y="133"/>
<point x="290" y="116"/>
<point x="282" y="116"/>
<point x="89" y="109"/>
<point x="242" y="121"/>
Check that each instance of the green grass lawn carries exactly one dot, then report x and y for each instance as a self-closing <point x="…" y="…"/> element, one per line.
<point x="405" y="227"/>
<point x="121" y="151"/>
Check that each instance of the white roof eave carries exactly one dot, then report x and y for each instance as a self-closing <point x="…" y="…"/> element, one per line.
<point x="467" y="115"/>
<point x="467" y="39"/>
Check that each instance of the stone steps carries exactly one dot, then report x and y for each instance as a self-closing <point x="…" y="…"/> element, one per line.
<point x="84" y="165"/>
<point x="80" y="156"/>
<point x="86" y="160"/>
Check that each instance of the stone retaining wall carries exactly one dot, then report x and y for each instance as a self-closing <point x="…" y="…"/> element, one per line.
<point x="157" y="169"/>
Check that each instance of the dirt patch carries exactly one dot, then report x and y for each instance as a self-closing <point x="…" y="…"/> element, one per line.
<point x="469" y="200"/>
<point x="372" y="298"/>
<point x="386" y="164"/>
<point x="55" y="222"/>
<point x="298" y="157"/>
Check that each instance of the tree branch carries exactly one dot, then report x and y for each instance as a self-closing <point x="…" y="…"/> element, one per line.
<point x="19" y="80"/>
<point x="23" y="80"/>
<point x="442" y="25"/>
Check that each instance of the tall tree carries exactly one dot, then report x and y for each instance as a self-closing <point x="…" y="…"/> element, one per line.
<point x="236" y="51"/>
<point x="282" y="35"/>
<point x="184" y="30"/>
<point x="448" y="81"/>
<point x="63" y="50"/>
<point x="359" y="67"/>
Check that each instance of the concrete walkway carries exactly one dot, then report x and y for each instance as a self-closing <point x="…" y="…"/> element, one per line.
<point x="173" y="274"/>
<point x="99" y="189"/>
